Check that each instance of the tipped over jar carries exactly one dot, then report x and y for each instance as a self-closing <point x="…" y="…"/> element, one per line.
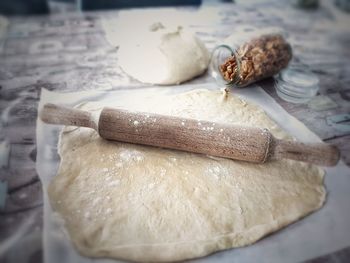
<point x="248" y="57"/>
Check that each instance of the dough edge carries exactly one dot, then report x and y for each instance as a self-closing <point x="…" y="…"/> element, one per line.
<point x="185" y="250"/>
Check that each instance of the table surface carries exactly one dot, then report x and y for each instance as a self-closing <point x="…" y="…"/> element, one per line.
<point x="69" y="52"/>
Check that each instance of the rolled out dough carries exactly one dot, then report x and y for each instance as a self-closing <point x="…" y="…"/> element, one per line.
<point x="148" y="204"/>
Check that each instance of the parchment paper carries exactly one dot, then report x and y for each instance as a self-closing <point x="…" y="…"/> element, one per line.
<point x="321" y="233"/>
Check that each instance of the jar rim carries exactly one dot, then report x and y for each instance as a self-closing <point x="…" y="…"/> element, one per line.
<point x="216" y="68"/>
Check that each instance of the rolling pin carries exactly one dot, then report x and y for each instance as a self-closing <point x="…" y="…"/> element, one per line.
<point x="250" y="144"/>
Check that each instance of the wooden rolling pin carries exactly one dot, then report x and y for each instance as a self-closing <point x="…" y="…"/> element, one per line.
<point x="217" y="139"/>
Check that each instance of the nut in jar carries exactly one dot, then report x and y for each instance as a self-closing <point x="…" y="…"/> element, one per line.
<point x="256" y="58"/>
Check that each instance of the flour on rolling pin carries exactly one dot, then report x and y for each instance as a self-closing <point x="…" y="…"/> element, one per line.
<point x="207" y="137"/>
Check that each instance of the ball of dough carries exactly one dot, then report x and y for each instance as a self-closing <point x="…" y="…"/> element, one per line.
<point x="164" y="56"/>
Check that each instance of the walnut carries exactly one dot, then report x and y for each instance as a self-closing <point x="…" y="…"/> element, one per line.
<point x="257" y="59"/>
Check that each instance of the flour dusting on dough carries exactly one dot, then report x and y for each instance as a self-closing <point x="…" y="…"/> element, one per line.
<point x="143" y="203"/>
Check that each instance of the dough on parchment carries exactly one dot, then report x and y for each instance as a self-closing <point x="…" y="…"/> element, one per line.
<point x="164" y="55"/>
<point x="147" y="204"/>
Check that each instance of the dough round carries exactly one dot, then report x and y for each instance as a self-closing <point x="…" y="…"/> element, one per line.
<point x="163" y="56"/>
<point x="142" y="203"/>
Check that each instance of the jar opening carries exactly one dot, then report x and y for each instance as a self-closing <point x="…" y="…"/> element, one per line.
<point x="219" y="57"/>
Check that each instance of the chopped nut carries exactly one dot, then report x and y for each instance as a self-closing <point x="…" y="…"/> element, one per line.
<point x="259" y="58"/>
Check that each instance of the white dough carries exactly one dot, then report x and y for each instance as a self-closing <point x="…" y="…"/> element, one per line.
<point x="163" y="55"/>
<point x="142" y="203"/>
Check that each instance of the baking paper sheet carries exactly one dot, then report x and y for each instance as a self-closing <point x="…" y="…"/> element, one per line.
<point x="323" y="232"/>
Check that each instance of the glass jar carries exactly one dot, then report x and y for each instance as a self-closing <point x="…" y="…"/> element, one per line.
<point x="296" y="84"/>
<point x="248" y="57"/>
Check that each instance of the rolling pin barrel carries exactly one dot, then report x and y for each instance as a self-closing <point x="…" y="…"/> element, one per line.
<point x="234" y="142"/>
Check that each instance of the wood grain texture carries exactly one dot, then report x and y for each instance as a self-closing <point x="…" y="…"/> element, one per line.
<point x="318" y="153"/>
<point x="217" y="139"/>
<point x="56" y="114"/>
<point x="250" y="144"/>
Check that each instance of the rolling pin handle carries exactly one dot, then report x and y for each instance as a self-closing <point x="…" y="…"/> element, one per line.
<point x="322" y="154"/>
<point x="57" y="114"/>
